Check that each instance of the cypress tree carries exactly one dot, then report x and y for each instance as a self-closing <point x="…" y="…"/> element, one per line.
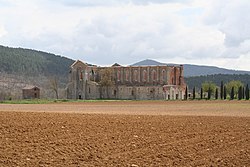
<point x="186" y="93"/>
<point x="193" y="93"/>
<point x="216" y="93"/>
<point x="225" y="93"/>
<point x="240" y="93"/>
<point x="201" y="93"/>
<point x="209" y="93"/>
<point x="243" y="92"/>
<point x="221" y="90"/>
<point x="247" y="92"/>
<point x="232" y="94"/>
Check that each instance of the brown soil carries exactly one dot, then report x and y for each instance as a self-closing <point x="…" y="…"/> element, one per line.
<point x="126" y="134"/>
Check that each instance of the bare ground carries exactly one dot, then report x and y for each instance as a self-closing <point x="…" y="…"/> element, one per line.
<point x="147" y="133"/>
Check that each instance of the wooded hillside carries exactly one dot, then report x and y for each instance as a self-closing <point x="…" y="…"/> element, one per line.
<point x="20" y="67"/>
<point x="32" y="63"/>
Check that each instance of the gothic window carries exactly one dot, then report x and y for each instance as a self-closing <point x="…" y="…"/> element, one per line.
<point x="144" y="75"/>
<point x="118" y="75"/>
<point x="127" y="75"/>
<point x="163" y="75"/>
<point x="81" y="75"/>
<point x="154" y="75"/>
<point x="135" y="75"/>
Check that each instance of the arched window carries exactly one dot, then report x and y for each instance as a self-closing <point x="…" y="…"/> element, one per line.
<point x="144" y="75"/>
<point x="163" y="75"/>
<point x="118" y="75"/>
<point x="127" y="75"/>
<point x="154" y="75"/>
<point x="135" y="75"/>
<point x="81" y="75"/>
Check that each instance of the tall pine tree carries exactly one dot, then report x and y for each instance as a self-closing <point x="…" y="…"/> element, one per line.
<point x="225" y="93"/>
<point x="247" y="92"/>
<point x="193" y="93"/>
<point x="209" y="93"/>
<point x="232" y="94"/>
<point x="240" y="93"/>
<point x="186" y="93"/>
<point x="201" y="93"/>
<point x="243" y="92"/>
<point x="221" y="90"/>
<point x="216" y="93"/>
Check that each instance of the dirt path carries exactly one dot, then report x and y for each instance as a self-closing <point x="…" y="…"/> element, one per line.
<point x="189" y="108"/>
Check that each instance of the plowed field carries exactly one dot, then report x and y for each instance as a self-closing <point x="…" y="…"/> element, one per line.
<point x="141" y="133"/>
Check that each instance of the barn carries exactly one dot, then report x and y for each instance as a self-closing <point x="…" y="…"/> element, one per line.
<point x="31" y="92"/>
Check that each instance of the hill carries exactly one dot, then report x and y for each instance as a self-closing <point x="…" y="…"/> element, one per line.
<point x="32" y="63"/>
<point x="21" y="67"/>
<point x="194" y="70"/>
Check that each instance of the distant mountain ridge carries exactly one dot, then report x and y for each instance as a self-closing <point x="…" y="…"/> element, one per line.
<point x="193" y="70"/>
<point x="33" y="63"/>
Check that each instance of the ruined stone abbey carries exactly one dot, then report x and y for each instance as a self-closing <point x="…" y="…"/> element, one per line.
<point x="120" y="82"/>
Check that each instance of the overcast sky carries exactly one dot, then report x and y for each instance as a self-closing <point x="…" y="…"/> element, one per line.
<point x="205" y="32"/>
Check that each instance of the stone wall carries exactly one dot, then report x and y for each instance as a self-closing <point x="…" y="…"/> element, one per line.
<point x="33" y="93"/>
<point x="141" y="82"/>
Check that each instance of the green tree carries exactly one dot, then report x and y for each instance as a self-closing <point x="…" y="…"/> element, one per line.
<point x="106" y="79"/>
<point x="247" y="92"/>
<point x="236" y="84"/>
<point x="240" y="93"/>
<point x="201" y="93"/>
<point x="194" y="93"/>
<point x="209" y="93"/>
<point x="225" y="93"/>
<point x="243" y="93"/>
<point x="209" y="87"/>
<point x="232" y="94"/>
<point x="221" y="90"/>
<point x="216" y="93"/>
<point x="186" y="93"/>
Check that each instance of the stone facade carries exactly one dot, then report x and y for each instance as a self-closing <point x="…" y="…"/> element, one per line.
<point x="31" y="92"/>
<point x="131" y="82"/>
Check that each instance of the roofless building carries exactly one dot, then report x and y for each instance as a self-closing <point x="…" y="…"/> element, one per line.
<point x="130" y="82"/>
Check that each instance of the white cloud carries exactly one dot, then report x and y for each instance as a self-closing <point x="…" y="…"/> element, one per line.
<point x="104" y="32"/>
<point x="2" y="31"/>
<point x="233" y="19"/>
<point x="94" y="3"/>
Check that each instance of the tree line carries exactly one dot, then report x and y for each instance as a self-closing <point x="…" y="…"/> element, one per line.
<point x="234" y="89"/>
<point x="197" y="81"/>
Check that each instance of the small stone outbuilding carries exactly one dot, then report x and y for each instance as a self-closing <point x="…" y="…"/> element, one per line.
<point x="31" y="92"/>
